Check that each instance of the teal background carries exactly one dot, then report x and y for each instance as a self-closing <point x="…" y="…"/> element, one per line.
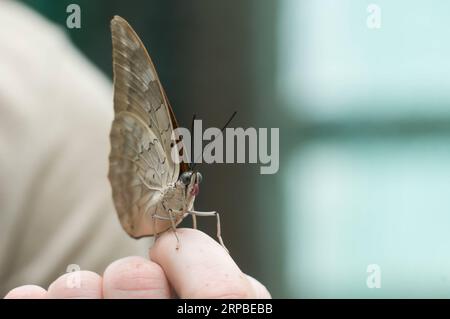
<point x="364" y="118"/>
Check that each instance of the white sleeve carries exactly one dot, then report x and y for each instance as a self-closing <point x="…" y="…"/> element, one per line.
<point x="55" y="116"/>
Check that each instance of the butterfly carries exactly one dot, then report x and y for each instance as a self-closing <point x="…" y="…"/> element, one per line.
<point x="152" y="191"/>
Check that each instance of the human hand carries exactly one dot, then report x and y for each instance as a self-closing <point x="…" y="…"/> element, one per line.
<point x="200" y="268"/>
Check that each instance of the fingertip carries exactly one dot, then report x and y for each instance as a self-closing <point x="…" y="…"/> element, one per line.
<point x="200" y="268"/>
<point x="189" y="240"/>
<point x="27" y="292"/>
<point x="76" y="285"/>
<point x="135" y="277"/>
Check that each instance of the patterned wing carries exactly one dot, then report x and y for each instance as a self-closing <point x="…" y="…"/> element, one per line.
<point x="137" y="88"/>
<point x="141" y="165"/>
<point x="137" y="169"/>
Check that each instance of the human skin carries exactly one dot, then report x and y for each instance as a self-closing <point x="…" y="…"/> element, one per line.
<point x="200" y="268"/>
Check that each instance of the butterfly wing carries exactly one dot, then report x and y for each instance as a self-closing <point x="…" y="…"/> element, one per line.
<point x="141" y="165"/>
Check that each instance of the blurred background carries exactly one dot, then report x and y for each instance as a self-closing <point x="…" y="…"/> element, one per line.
<point x="364" y="118"/>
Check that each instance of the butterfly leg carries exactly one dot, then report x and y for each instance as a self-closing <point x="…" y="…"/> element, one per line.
<point x="219" y="232"/>
<point x="156" y="235"/>
<point x="194" y="221"/>
<point x="174" y="227"/>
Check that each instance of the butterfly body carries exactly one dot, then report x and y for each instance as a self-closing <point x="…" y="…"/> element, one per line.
<point x="177" y="198"/>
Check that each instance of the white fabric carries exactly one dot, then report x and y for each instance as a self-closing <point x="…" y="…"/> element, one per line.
<point x="55" y="116"/>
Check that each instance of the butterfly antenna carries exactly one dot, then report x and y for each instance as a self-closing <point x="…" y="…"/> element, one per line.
<point x="229" y="121"/>
<point x="194" y="117"/>
<point x="223" y="128"/>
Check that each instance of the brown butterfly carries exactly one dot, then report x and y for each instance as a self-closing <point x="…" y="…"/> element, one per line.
<point x="152" y="192"/>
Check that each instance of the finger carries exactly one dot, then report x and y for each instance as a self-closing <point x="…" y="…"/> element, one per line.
<point x="27" y="292"/>
<point x="136" y="278"/>
<point x="76" y="285"/>
<point x="259" y="289"/>
<point x="200" y="268"/>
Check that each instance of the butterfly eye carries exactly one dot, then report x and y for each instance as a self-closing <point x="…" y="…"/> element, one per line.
<point x="186" y="178"/>
<point x="199" y="177"/>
